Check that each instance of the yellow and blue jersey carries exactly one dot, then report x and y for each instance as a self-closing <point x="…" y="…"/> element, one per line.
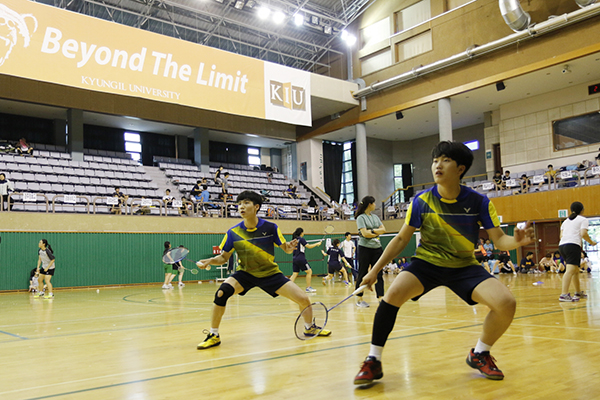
<point x="255" y="247"/>
<point x="450" y="228"/>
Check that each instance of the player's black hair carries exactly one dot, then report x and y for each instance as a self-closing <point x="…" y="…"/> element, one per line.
<point x="204" y="187"/>
<point x="347" y="233"/>
<point x="529" y="253"/>
<point x="47" y="245"/>
<point x="335" y="242"/>
<point x="226" y="174"/>
<point x="550" y="166"/>
<point x="254" y="197"/>
<point x="576" y="209"/>
<point x="167" y="245"/>
<point x="297" y="233"/>
<point x="364" y="203"/>
<point x="456" y="151"/>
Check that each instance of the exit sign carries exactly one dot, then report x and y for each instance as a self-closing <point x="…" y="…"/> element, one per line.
<point x="563" y="213"/>
<point x="594" y="89"/>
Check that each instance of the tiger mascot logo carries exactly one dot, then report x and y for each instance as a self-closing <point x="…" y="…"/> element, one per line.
<point x="14" y="27"/>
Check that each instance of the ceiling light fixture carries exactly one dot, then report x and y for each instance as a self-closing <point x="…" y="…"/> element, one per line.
<point x="314" y="20"/>
<point x="250" y="3"/>
<point x="298" y="19"/>
<point x="263" y="12"/>
<point x="239" y="4"/>
<point x="278" y="17"/>
<point x="327" y="30"/>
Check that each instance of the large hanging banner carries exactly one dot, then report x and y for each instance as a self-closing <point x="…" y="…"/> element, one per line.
<point x="48" y="44"/>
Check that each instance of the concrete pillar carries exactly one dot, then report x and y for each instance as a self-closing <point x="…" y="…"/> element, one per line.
<point x="59" y="128"/>
<point x="362" y="175"/>
<point x="201" y="149"/>
<point x="445" y="119"/>
<point x="181" y="146"/>
<point x="75" y="133"/>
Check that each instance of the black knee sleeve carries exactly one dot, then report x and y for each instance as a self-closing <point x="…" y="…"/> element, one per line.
<point x="226" y="291"/>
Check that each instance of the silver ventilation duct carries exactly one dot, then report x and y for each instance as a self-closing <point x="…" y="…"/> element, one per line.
<point x="514" y="15"/>
<point x="584" y="3"/>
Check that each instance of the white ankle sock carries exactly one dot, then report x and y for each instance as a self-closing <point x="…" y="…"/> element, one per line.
<point x="376" y="351"/>
<point x="481" y="347"/>
<point x="214" y="331"/>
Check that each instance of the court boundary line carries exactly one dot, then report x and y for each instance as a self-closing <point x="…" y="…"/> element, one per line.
<point x="266" y="359"/>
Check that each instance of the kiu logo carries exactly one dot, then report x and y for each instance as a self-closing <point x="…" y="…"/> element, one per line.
<point x="288" y="96"/>
<point x="12" y="27"/>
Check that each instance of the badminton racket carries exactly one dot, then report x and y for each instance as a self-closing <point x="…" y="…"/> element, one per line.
<point x="318" y="314"/>
<point x="178" y="254"/>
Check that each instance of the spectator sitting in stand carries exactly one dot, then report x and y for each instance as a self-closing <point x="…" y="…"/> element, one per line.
<point x="143" y="210"/>
<point x="168" y="199"/>
<point x="291" y="191"/>
<point x="117" y="209"/>
<point x="225" y="185"/>
<point x="505" y="177"/>
<point x="312" y="202"/>
<point x="498" y="179"/>
<point x="525" y="184"/>
<point x="24" y="148"/>
<point x="195" y="193"/>
<point x="550" y="175"/>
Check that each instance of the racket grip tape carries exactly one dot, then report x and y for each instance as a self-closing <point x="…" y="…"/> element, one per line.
<point x="359" y="290"/>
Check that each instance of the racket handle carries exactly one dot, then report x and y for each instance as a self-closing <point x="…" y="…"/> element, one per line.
<point x="359" y="290"/>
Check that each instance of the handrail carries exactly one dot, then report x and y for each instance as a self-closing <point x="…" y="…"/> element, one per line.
<point x="109" y="205"/>
<point x="87" y="206"/>
<point x="133" y="205"/>
<point x="21" y="194"/>
<point x="472" y="177"/>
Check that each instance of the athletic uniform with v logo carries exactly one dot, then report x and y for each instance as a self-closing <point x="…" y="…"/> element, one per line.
<point x="450" y="228"/>
<point x="255" y="247"/>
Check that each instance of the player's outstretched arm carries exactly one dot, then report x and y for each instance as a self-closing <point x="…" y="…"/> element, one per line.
<point x="506" y="242"/>
<point x="216" y="260"/>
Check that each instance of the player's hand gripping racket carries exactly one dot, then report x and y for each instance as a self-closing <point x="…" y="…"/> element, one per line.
<point x="178" y="254"/>
<point x="312" y="319"/>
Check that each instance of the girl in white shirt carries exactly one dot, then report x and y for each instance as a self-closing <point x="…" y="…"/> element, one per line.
<point x="571" y="232"/>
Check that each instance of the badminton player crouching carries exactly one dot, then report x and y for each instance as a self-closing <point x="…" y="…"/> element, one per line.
<point x="254" y="239"/>
<point x="448" y="216"/>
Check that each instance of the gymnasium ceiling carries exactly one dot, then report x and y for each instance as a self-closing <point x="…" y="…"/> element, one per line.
<point x="234" y="25"/>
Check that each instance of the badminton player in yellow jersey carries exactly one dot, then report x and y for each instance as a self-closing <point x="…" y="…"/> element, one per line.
<point x="449" y="217"/>
<point x="254" y="239"/>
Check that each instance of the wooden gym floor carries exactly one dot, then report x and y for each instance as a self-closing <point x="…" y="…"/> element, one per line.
<point x="140" y="343"/>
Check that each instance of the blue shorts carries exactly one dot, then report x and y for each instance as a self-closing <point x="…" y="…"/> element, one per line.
<point x="333" y="268"/>
<point x="269" y="284"/>
<point x="461" y="281"/>
<point x="300" y="265"/>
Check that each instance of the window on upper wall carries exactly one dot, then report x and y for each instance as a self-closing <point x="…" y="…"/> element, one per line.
<point x="347" y="190"/>
<point x="376" y="62"/>
<point x="375" y="33"/>
<point x="581" y="130"/>
<point x="412" y="15"/>
<point x="414" y="46"/>
<point x="402" y="174"/>
<point x="253" y="156"/>
<point x="132" y="145"/>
